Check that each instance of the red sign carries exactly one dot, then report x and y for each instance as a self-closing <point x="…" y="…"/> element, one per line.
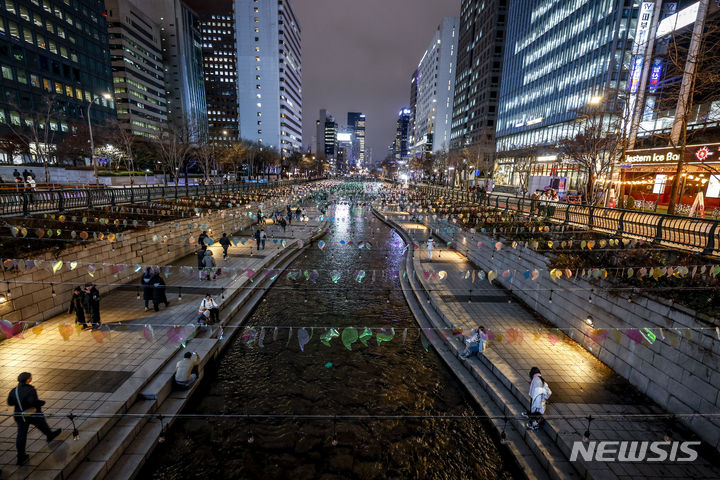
<point x="702" y="153"/>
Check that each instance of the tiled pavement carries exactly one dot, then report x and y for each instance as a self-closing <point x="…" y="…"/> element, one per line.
<point x="581" y="384"/>
<point x="98" y="371"/>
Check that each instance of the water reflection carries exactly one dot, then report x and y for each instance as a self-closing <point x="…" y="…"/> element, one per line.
<point x="395" y="378"/>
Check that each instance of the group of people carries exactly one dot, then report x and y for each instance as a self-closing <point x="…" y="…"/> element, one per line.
<point x="543" y="203"/>
<point x="153" y="287"/>
<point x="85" y="302"/>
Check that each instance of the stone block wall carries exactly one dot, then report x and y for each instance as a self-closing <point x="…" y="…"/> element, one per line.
<point x="34" y="302"/>
<point x="680" y="370"/>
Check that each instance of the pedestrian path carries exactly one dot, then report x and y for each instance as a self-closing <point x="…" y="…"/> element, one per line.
<point x="101" y="371"/>
<point x="581" y="385"/>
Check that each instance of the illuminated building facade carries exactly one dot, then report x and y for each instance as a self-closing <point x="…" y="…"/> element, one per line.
<point x="558" y="56"/>
<point x="432" y="119"/>
<point x="137" y="66"/>
<point x="269" y="66"/>
<point x="357" y="124"/>
<point x="217" y="26"/>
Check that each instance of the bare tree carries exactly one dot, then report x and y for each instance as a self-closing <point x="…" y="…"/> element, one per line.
<point x="598" y="144"/>
<point x="174" y="145"/>
<point x="232" y="155"/>
<point x="37" y="131"/>
<point x="124" y="141"/>
<point x="690" y="88"/>
<point x="206" y="153"/>
<point x="11" y="145"/>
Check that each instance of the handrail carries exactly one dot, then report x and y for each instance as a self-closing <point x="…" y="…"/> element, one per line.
<point x="26" y="202"/>
<point x="685" y="233"/>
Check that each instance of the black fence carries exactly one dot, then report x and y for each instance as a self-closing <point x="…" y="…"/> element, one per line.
<point x="687" y="233"/>
<point x="26" y="202"/>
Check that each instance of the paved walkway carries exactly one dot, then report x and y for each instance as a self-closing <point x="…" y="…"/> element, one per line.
<point x="581" y="384"/>
<point x="100" y="371"/>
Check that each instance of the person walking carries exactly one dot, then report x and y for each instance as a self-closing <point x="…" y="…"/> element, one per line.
<point x="147" y="286"/>
<point x="201" y="261"/>
<point x="257" y="239"/>
<point x="28" y="411"/>
<point x="298" y="213"/>
<point x="92" y="304"/>
<point x="158" y="293"/>
<point x="283" y="223"/>
<point x="534" y="202"/>
<point x="225" y="244"/>
<point x="202" y="237"/>
<point x="77" y="306"/>
<point x="539" y="394"/>
<point x="209" y="263"/>
<point x="263" y="237"/>
<point x="209" y="310"/>
<point x="430" y="245"/>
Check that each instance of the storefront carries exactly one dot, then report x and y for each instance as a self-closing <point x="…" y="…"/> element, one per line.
<point x="647" y="175"/>
<point x="543" y="172"/>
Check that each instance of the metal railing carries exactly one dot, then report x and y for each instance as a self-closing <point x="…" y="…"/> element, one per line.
<point x="26" y="202"/>
<point x="687" y="233"/>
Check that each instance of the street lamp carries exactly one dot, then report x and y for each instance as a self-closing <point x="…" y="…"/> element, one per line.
<point x="106" y="96"/>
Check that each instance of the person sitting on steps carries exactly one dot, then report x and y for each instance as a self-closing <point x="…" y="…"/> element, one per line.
<point x="185" y="368"/>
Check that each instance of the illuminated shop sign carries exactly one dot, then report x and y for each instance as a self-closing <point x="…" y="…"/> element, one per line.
<point x="642" y="32"/>
<point x="655" y="74"/>
<point x="693" y="154"/>
<point x="681" y="19"/>
<point x="636" y="71"/>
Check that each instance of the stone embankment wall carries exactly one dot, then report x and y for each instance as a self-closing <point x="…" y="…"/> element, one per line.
<point x="34" y="302"/>
<point x="680" y="370"/>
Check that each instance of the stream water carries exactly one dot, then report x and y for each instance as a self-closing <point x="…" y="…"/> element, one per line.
<point x="395" y="378"/>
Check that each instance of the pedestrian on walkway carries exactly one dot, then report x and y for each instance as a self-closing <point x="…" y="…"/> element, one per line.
<point x="209" y="310"/>
<point x="430" y="244"/>
<point x="283" y="223"/>
<point x="260" y="218"/>
<point x="263" y="237"/>
<point x="159" y="293"/>
<point x="298" y="213"/>
<point x="92" y="304"/>
<point x="147" y="286"/>
<point x="202" y="237"/>
<point x="257" y="239"/>
<point x="553" y="200"/>
<point x="225" y="244"/>
<point x="201" y="261"/>
<point x="209" y="263"/>
<point x="76" y="305"/>
<point x="534" y="198"/>
<point x="28" y="411"/>
<point x="539" y="393"/>
<point x="184" y="376"/>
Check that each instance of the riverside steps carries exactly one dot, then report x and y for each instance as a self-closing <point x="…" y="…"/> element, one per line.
<point x="498" y="378"/>
<point x="97" y="375"/>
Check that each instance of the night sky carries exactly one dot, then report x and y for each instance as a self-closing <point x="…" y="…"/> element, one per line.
<point x="358" y="55"/>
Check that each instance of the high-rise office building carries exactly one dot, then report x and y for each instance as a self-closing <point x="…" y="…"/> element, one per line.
<point x="137" y="66"/>
<point x="357" y="124"/>
<point x="320" y="132"/>
<point x="219" y="45"/>
<point x="432" y="122"/>
<point x="413" y="107"/>
<point x="53" y="54"/>
<point x="557" y="57"/>
<point x="400" y="147"/>
<point x="345" y="159"/>
<point x="181" y="40"/>
<point x="330" y="135"/>
<point x="478" y="72"/>
<point x="269" y="63"/>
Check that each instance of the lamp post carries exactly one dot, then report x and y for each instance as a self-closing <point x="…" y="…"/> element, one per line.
<point x="93" y="160"/>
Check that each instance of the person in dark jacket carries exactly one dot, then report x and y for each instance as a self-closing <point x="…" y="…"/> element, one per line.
<point x="92" y="304"/>
<point x="159" y="295"/>
<point x="202" y="237"/>
<point x="147" y="286"/>
<point x="77" y="305"/>
<point x="28" y="411"/>
<point x="283" y="223"/>
<point x="257" y="238"/>
<point x="201" y="261"/>
<point x="225" y="244"/>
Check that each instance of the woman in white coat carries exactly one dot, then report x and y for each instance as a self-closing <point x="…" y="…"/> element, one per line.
<point x="539" y="394"/>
